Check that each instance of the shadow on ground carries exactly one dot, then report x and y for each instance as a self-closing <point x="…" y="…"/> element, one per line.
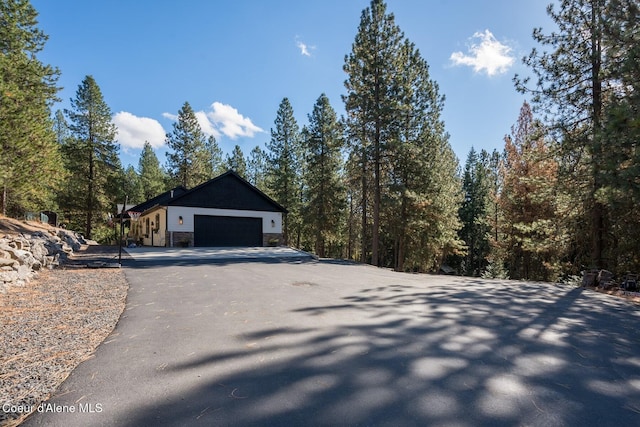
<point x="464" y="353"/>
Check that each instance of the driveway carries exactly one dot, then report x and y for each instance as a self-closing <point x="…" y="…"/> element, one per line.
<point x="187" y="255"/>
<point x="322" y="343"/>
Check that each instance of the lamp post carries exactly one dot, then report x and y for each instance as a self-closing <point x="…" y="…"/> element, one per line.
<point x="126" y="199"/>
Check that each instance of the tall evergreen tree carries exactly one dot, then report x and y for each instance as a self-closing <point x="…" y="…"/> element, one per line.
<point x="573" y="80"/>
<point x="528" y="200"/>
<point x="257" y="168"/>
<point x="61" y="128"/>
<point x="152" y="175"/>
<point x="30" y="164"/>
<point x="215" y="153"/>
<point x="132" y="186"/>
<point x="237" y="162"/>
<point x="399" y="151"/>
<point x="283" y="173"/>
<point x="91" y="156"/>
<point x="439" y="224"/>
<point x="621" y="172"/>
<point x="495" y="216"/>
<point x="325" y="193"/>
<point x="421" y="170"/>
<point x="370" y="104"/>
<point x="190" y="161"/>
<point x="475" y="230"/>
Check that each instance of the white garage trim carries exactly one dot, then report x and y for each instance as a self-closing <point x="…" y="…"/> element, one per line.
<point x="271" y="221"/>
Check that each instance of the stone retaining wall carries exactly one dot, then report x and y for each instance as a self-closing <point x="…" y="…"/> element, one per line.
<point x="22" y="256"/>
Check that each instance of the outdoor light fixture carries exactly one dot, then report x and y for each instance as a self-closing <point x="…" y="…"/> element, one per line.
<point x="180" y="220"/>
<point x="273" y="223"/>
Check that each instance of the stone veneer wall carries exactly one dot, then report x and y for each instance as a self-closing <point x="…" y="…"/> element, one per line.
<point x="268" y="237"/>
<point x="180" y="236"/>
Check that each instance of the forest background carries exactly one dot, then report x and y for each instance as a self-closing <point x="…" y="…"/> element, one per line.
<point x="380" y="184"/>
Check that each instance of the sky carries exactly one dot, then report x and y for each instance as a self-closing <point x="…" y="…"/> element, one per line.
<point x="234" y="62"/>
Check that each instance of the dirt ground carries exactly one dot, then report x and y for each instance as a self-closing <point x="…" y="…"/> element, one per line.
<point x="13" y="226"/>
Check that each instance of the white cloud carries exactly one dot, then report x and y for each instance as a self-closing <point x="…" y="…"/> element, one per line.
<point x="206" y="126"/>
<point x="133" y="131"/>
<point x="305" y="49"/>
<point x="230" y="122"/>
<point x="225" y="120"/>
<point x="486" y="54"/>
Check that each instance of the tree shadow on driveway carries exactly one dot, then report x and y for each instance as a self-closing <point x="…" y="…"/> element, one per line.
<point x="420" y="350"/>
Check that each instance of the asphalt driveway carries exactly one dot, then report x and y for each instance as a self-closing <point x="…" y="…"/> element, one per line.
<point x="300" y="342"/>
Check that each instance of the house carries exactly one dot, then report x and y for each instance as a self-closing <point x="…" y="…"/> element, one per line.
<point x="224" y="211"/>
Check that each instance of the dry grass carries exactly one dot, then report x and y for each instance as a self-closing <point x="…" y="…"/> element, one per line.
<point x="49" y="326"/>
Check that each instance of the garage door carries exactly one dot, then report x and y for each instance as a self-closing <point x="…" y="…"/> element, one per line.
<point x="227" y="231"/>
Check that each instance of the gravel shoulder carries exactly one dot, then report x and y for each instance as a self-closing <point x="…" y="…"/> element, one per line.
<point x="49" y="326"/>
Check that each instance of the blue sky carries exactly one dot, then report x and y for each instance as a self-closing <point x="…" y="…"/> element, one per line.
<point x="234" y="61"/>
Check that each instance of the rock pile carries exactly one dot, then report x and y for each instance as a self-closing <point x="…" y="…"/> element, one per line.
<point x="22" y="256"/>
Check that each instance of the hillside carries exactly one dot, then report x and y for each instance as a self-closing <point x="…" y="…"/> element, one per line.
<point x="14" y="226"/>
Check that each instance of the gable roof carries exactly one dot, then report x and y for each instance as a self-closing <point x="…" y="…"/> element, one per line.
<point x="227" y="191"/>
<point x="159" y="200"/>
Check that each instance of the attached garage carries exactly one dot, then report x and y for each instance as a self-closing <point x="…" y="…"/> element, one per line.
<point x="227" y="231"/>
<point x="224" y="211"/>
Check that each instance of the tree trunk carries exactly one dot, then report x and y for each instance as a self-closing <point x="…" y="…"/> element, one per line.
<point x="90" y="190"/>
<point x="363" y="255"/>
<point x="350" y="243"/>
<point x="4" y="199"/>
<point x="401" y="237"/>
<point x="375" y="235"/>
<point x="598" y="209"/>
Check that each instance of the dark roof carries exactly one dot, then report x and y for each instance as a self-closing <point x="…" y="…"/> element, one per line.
<point x="227" y="191"/>
<point x="159" y="200"/>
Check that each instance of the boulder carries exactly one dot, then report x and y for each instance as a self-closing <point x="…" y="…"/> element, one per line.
<point x="71" y="239"/>
<point x="8" y="262"/>
<point x="8" y="276"/>
<point x="38" y="249"/>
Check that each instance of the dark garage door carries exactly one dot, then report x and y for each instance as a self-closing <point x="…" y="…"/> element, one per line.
<point x="227" y="231"/>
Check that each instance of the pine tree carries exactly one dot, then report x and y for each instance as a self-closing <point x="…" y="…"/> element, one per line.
<point x="399" y="153"/>
<point x="528" y="201"/>
<point x="475" y="230"/>
<point x="190" y="161"/>
<point x="621" y="190"/>
<point x="61" y="128"/>
<point x="236" y="162"/>
<point x="422" y="170"/>
<point x="132" y="186"/>
<point x="284" y="167"/>
<point x="152" y="175"/>
<point x="370" y="103"/>
<point x="357" y="177"/>
<point x="30" y="164"/>
<point x="439" y="227"/>
<point x="573" y="81"/>
<point x="215" y="157"/>
<point x="325" y="193"/>
<point x="495" y="216"/>
<point x="257" y="168"/>
<point x="91" y="157"/>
